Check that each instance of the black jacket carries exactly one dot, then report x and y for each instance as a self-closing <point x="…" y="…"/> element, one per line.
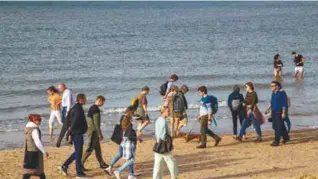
<point x="75" y="123"/>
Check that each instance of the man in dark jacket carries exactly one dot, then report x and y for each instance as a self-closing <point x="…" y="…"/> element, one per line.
<point x="235" y="103"/>
<point x="77" y="125"/>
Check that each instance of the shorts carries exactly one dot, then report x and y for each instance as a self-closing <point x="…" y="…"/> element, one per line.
<point x="183" y="118"/>
<point x="55" y="114"/>
<point x="299" y="69"/>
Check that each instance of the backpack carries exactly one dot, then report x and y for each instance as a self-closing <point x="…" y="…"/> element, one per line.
<point x="236" y="103"/>
<point x="215" y="104"/>
<point x="163" y="88"/>
<point x="135" y="103"/>
<point x="178" y="103"/>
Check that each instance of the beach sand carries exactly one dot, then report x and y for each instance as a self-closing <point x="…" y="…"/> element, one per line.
<point x="231" y="159"/>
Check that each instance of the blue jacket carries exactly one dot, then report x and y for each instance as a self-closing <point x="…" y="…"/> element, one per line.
<point x="279" y="101"/>
<point x="231" y="97"/>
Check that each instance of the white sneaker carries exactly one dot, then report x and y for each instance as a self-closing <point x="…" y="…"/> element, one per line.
<point x="117" y="174"/>
<point x="132" y="177"/>
<point x="108" y="170"/>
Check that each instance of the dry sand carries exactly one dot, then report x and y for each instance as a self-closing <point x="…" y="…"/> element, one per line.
<point x="231" y="159"/>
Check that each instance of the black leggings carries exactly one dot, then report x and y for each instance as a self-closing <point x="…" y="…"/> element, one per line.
<point x="28" y="176"/>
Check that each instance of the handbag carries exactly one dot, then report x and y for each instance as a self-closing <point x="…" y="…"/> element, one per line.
<point x="117" y="134"/>
<point x="164" y="146"/>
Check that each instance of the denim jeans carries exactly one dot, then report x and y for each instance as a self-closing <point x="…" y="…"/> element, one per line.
<point x="117" y="157"/>
<point x="237" y="115"/>
<point x="255" y="123"/>
<point x="78" y="141"/>
<point x="279" y="127"/>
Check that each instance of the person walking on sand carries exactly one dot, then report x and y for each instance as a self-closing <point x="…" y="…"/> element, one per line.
<point x="140" y="104"/>
<point x="33" y="156"/>
<point x="94" y="133"/>
<point x="235" y="102"/>
<point x="127" y="141"/>
<point x="253" y="115"/>
<point x="206" y="116"/>
<point x="67" y="100"/>
<point x="172" y="115"/>
<point x="161" y="132"/>
<point x="78" y="127"/>
<point x="55" y="100"/>
<point x="279" y="110"/>
<point x="180" y="108"/>
<point x="278" y="66"/>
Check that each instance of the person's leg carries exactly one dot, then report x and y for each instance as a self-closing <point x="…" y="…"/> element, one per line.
<point x="90" y="146"/>
<point x="284" y="132"/>
<point x="26" y="176"/>
<point x="98" y="153"/>
<point x="78" y="143"/>
<point x="203" y="126"/>
<point x="243" y="127"/>
<point x="171" y="164"/>
<point x="301" y="72"/>
<point x="70" y="159"/>
<point x="63" y="116"/>
<point x="128" y="163"/>
<point x="171" y="119"/>
<point x="234" y="120"/>
<point x="157" y="169"/>
<point x="257" y="126"/>
<point x="51" y="122"/>
<point x="58" y="116"/>
<point x="277" y="125"/>
<point x="117" y="157"/>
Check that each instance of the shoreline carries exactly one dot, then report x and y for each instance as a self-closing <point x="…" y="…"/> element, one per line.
<point x="230" y="159"/>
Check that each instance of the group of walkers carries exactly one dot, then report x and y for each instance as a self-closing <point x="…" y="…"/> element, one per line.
<point x="173" y="117"/>
<point x="298" y="61"/>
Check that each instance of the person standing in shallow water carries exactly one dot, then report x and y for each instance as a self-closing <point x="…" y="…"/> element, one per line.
<point x="33" y="156"/>
<point x="278" y="66"/>
<point x="55" y="100"/>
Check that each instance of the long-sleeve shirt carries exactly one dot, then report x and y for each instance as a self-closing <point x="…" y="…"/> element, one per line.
<point x="232" y="96"/>
<point x="278" y="101"/>
<point x="36" y="137"/>
<point x="93" y="119"/>
<point x="161" y="128"/>
<point x="67" y="99"/>
<point x="169" y="85"/>
<point x="251" y="99"/>
<point x="206" y="105"/>
<point x="55" y="101"/>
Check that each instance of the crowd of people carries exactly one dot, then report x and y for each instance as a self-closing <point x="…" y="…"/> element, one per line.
<point x="70" y="114"/>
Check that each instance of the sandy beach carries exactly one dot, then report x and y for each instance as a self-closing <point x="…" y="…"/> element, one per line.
<point x="230" y="159"/>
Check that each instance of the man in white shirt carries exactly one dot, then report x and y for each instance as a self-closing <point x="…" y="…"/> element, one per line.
<point x="67" y="100"/>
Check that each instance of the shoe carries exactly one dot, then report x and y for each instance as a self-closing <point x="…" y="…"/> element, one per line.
<point x="275" y="144"/>
<point x="258" y="140"/>
<point x="108" y="171"/>
<point x="117" y="174"/>
<point x="234" y="136"/>
<point x="202" y="146"/>
<point x="244" y="137"/>
<point x="63" y="170"/>
<point x="81" y="176"/>
<point x="285" y="141"/>
<point x="217" y="141"/>
<point x="132" y="177"/>
<point x="103" y="166"/>
<point x="239" y="138"/>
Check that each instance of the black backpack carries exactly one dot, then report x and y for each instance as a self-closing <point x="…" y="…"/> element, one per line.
<point x="163" y="88"/>
<point x="178" y="103"/>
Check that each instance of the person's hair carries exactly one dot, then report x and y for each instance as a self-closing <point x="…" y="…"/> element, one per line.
<point x="174" y="77"/>
<point x="145" y="88"/>
<point x="174" y="88"/>
<point x="100" y="97"/>
<point x="34" y="117"/>
<point x="250" y="84"/>
<point x="163" y="108"/>
<point x="203" y="89"/>
<point x="80" y="96"/>
<point x="277" y="84"/>
<point x="236" y="88"/>
<point x="184" y="88"/>
<point x="125" y="122"/>
<point x="129" y="109"/>
<point x="53" y="89"/>
<point x="293" y="53"/>
<point x="276" y="56"/>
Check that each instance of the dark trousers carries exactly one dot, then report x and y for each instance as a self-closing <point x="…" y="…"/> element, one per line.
<point x="204" y="129"/>
<point x="27" y="176"/>
<point x="279" y="127"/>
<point x="93" y="145"/>
<point x="237" y="115"/>
<point x="78" y="141"/>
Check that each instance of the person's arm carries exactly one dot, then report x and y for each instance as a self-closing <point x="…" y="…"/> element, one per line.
<point x="284" y="104"/>
<point x="68" y="102"/>
<point x="96" y="123"/>
<point x="168" y="88"/>
<point x="37" y="141"/>
<point x="185" y="102"/>
<point x="229" y="102"/>
<point x="209" y="109"/>
<point x="254" y="101"/>
<point x="77" y="114"/>
<point x="282" y="64"/>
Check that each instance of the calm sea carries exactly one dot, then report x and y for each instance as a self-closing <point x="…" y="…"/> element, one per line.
<point x="115" y="48"/>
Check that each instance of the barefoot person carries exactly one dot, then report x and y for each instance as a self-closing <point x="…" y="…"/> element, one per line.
<point x="78" y="127"/>
<point x="279" y="110"/>
<point x="299" y="62"/>
<point x="278" y="66"/>
<point x="94" y="133"/>
<point x="205" y="117"/>
<point x="34" y="150"/>
<point x="55" y="100"/>
<point x="140" y="104"/>
<point x="252" y="113"/>
<point x="165" y="88"/>
<point x="172" y="115"/>
<point x="127" y="141"/>
<point x="180" y="108"/>
<point x="161" y="130"/>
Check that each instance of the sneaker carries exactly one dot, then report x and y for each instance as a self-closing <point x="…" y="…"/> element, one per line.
<point x="258" y="140"/>
<point x="81" y="176"/>
<point x="202" y="146"/>
<point x="285" y="141"/>
<point x="108" y="171"/>
<point x="239" y="138"/>
<point x="63" y="170"/>
<point x="132" y="177"/>
<point x="217" y="141"/>
<point x="275" y="144"/>
<point x="104" y="165"/>
<point x="117" y="174"/>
